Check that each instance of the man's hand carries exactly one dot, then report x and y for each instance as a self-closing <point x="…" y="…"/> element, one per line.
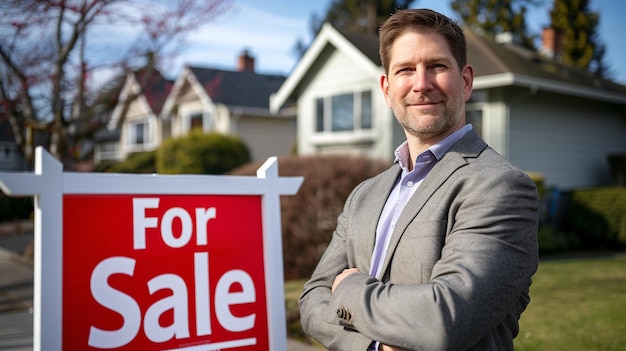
<point x="382" y="347"/>
<point x="342" y="276"/>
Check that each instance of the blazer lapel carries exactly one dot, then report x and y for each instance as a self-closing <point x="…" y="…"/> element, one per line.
<point x="470" y="146"/>
<point x="370" y="215"/>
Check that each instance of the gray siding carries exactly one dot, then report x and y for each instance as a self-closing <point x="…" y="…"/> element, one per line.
<point x="566" y="139"/>
<point x="266" y="137"/>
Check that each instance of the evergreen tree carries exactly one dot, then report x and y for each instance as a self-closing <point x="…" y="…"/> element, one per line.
<point x="364" y="16"/>
<point x="491" y="17"/>
<point x="576" y="29"/>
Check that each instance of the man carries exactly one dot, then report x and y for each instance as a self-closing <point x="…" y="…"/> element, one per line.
<point x="437" y="252"/>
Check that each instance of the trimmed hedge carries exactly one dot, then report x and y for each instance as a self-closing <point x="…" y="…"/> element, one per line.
<point x="552" y="240"/>
<point x="310" y="217"/>
<point x="201" y="153"/>
<point x="598" y="216"/>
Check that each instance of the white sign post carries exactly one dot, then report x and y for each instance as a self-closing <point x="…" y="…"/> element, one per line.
<point x="169" y="262"/>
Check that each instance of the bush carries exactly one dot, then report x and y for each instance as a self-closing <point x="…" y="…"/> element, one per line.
<point x="11" y="208"/>
<point x="138" y="162"/>
<point x="201" y="153"/>
<point x="599" y="215"/>
<point x="310" y="217"/>
<point x="539" y="180"/>
<point x="552" y="240"/>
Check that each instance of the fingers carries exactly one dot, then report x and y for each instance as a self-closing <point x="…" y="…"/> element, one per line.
<point x="342" y="276"/>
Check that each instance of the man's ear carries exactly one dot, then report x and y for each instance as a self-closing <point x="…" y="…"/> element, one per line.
<point x="384" y="87"/>
<point x="468" y="81"/>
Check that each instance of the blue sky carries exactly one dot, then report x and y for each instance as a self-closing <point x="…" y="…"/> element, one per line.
<point x="269" y="30"/>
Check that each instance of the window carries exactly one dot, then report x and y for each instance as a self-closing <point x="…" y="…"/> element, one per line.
<point x="344" y="112"/>
<point x="474" y="110"/>
<point x="108" y="150"/>
<point x="139" y="133"/>
<point x="7" y="153"/>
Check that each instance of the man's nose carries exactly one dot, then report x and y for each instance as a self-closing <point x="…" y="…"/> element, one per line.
<point x="421" y="80"/>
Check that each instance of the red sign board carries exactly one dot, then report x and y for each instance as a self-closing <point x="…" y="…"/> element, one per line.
<point x="172" y="271"/>
<point x="155" y="262"/>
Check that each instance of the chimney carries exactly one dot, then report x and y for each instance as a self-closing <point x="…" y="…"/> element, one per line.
<point x="551" y="42"/>
<point x="245" y="62"/>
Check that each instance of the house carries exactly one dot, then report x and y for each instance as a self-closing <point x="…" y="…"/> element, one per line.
<point x="214" y="100"/>
<point x="231" y="102"/>
<point x="11" y="159"/>
<point x="15" y="154"/>
<point x="135" y="124"/>
<point x="543" y="116"/>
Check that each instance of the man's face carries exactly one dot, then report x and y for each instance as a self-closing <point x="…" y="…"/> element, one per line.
<point x="424" y="86"/>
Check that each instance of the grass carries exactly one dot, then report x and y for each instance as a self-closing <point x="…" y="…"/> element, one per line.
<point x="576" y="304"/>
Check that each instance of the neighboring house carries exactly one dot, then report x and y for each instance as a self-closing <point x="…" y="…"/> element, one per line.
<point x="543" y="116"/>
<point x="135" y="124"/>
<point x="214" y="100"/>
<point x="231" y="102"/>
<point x="11" y="159"/>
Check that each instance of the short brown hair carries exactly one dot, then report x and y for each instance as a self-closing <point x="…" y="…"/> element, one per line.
<point x="421" y="20"/>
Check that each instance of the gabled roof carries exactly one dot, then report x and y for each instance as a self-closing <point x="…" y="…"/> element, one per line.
<point x="495" y="65"/>
<point x="366" y="43"/>
<point x="146" y="83"/>
<point x="154" y="87"/>
<point x="235" y="88"/>
<point x="361" y="49"/>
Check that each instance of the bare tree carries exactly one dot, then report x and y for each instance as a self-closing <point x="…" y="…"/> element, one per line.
<point x="49" y="49"/>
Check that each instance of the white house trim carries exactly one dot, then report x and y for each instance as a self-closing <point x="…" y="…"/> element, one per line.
<point x="328" y="35"/>
<point x="510" y="79"/>
<point x="186" y="77"/>
<point x="130" y="87"/>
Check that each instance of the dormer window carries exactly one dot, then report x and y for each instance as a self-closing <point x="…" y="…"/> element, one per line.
<point x="344" y="112"/>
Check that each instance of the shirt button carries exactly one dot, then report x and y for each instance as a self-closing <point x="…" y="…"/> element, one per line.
<point x="409" y="183"/>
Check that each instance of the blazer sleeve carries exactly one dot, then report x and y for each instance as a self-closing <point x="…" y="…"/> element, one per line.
<point x="318" y="318"/>
<point x="479" y="285"/>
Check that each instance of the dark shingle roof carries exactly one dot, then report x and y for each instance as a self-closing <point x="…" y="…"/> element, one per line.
<point x="107" y="135"/>
<point x="368" y="44"/>
<point x="234" y="88"/>
<point x="489" y="57"/>
<point x="154" y="87"/>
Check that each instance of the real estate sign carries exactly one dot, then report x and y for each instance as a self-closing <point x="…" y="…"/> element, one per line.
<point x="162" y="262"/>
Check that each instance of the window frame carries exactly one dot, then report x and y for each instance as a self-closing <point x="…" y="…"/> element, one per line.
<point x="324" y="115"/>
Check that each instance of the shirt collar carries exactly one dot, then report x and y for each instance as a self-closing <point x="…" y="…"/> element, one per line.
<point x="402" y="154"/>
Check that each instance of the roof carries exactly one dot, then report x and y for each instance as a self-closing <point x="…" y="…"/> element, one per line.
<point x="154" y="87"/>
<point x="361" y="50"/>
<point x="366" y="43"/>
<point x="490" y="58"/>
<point x="6" y="132"/>
<point x="107" y="135"/>
<point x="495" y="65"/>
<point x="235" y="88"/>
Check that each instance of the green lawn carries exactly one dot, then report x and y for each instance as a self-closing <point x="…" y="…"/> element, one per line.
<point x="576" y="304"/>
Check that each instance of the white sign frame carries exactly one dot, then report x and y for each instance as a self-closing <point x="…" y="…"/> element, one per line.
<point x="49" y="183"/>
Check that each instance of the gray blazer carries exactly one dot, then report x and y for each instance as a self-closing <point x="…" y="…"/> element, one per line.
<point x="459" y="265"/>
